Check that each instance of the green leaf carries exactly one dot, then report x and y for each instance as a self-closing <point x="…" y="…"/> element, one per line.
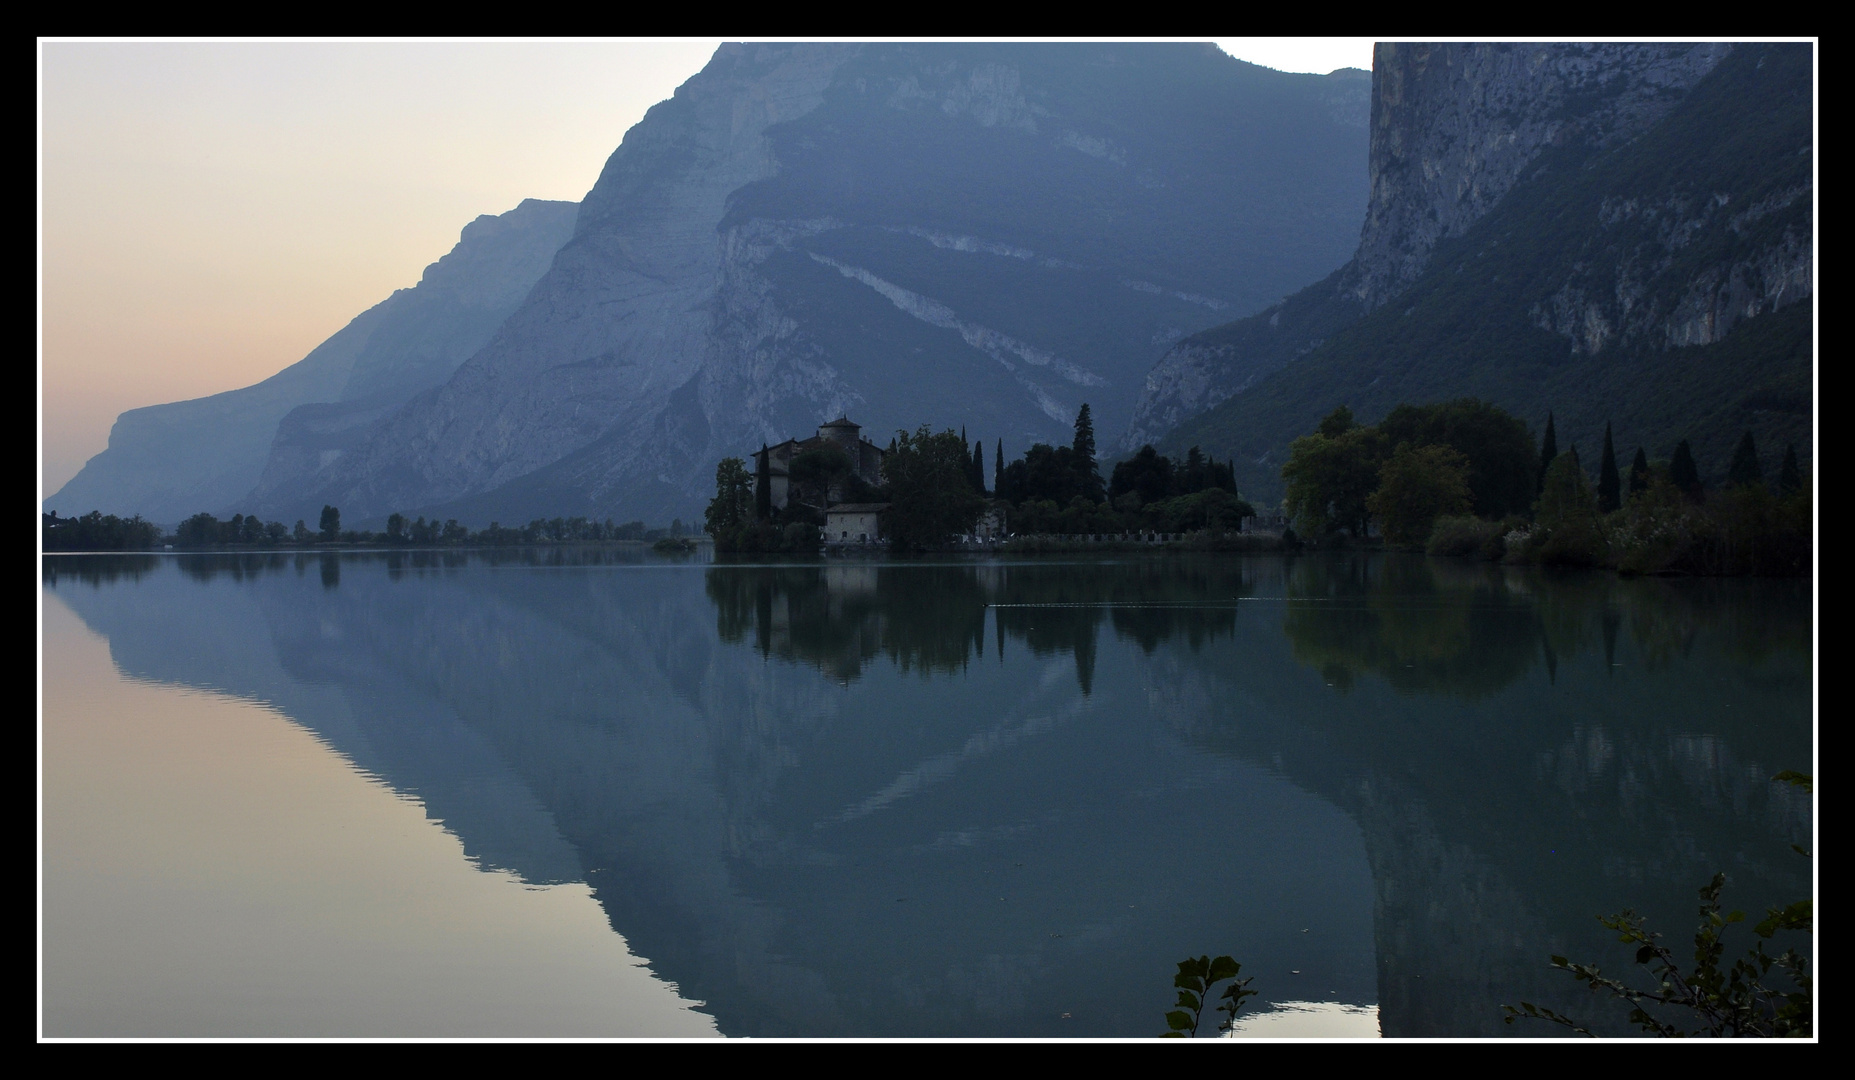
<point x="1179" y="1021"/>
<point x="1796" y="779"/>
<point x="1172" y="1035"/>
<point x="1224" y="968"/>
<point x="1187" y="1000"/>
<point x="1645" y="954"/>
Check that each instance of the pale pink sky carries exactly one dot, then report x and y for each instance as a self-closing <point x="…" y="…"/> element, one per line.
<point x="211" y="211"/>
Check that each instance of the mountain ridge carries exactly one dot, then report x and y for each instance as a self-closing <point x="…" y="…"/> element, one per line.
<point x="950" y="234"/>
<point x="167" y="462"/>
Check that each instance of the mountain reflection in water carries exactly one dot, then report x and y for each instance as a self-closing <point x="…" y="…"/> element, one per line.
<point x="1004" y="798"/>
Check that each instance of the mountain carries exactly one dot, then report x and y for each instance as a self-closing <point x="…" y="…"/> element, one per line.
<point x="983" y="235"/>
<point x="167" y="462"/>
<point x="1646" y="262"/>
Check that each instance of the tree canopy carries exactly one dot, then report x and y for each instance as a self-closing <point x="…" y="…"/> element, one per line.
<point x="733" y="504"/>
<point x="1417" y="485"/>
<point x="931" y="496"/>
<point x="1330" y="477"/>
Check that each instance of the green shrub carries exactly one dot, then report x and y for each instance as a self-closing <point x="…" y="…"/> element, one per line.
<point x="1466" y="535"/>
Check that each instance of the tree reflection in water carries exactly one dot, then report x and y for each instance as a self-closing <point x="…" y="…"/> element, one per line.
<point x="931" y="617"/>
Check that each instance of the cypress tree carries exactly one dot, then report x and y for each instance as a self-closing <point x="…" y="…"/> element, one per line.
<point x="1084" y="448"/>
<point x="1745" y="471"/>
<point x="1548" y="449"/>
<point x="1682" y="471"/>
<point x="1609" y="485"/>
<point x="1790" y="477"/>
<point x="998" y="465"/>
<point x="1639" y="472"/>
<point x="763" y="487"/>
<point x="1194" y="471"/>
<point x="979" y="466"/>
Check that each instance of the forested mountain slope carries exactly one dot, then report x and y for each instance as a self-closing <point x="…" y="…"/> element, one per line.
<point x="1660" y="284"/>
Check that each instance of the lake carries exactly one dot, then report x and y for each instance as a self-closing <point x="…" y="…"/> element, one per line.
<point x="559" y="792"/>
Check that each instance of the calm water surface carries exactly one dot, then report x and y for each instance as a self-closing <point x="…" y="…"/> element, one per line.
<point x="603" y="793"/>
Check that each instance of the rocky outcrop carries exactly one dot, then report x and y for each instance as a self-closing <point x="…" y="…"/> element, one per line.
<point x="1645" y="290"/>
<point x="167" y="462"/>
<point x="1209" y="368"/>
<point x="1650" y="285"/>
<point x="978" y="235"/>
<point x="1454" y="127"/>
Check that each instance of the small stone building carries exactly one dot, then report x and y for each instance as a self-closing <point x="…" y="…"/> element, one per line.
<point x="854" y="523"/>
<point x="775" y="462"/>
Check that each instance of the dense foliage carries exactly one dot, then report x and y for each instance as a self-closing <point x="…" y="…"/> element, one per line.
<point x="1417" y="485"/>
<point x="1409" y="478"/>
<point x="732" y="508"/>
<point x="1420" y="463"/>
<point x="931" y="496"/>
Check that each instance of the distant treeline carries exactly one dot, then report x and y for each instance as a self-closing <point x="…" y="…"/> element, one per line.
<point x="97" y="532"/>
<point x="1464" y="477"/>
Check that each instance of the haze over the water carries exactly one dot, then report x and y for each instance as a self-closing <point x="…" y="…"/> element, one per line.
<point x="211" y="211"/>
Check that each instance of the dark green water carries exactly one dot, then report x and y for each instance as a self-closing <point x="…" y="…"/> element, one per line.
<point x="1005" y="798"/>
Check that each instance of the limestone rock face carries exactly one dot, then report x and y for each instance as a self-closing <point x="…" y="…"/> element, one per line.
<point x="1650" y="282"/>
<point x="978" y="235"/>
<point x="1453" y="128"/>
<point x="167" y="462"/>
<point x="1646" y="290"/>
<point x="1455" y="125"/>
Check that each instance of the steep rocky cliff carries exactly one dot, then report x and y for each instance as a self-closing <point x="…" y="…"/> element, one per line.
<point x="986" y="235"/>
<point x="1454" y="128"/>
<point x="1658" y="283"/>
<point x="167" y="462"/>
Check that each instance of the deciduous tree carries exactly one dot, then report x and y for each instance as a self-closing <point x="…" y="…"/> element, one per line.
<point x="732" y="506"/>
<point x="931" y="496"/>
<point x="1330" y="478"/>
<point x="1417" y="485"/>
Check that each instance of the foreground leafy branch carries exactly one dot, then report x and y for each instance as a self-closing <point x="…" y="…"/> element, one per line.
<point x="1194" y="982"/>
<point x="1708" y="998"/>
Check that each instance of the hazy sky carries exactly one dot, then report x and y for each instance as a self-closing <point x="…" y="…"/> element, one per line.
<point x="211" y="211"/>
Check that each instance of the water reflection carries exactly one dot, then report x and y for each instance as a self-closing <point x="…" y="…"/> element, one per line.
<point x="1028" y="788"/>
<point x="930" y="617"/>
